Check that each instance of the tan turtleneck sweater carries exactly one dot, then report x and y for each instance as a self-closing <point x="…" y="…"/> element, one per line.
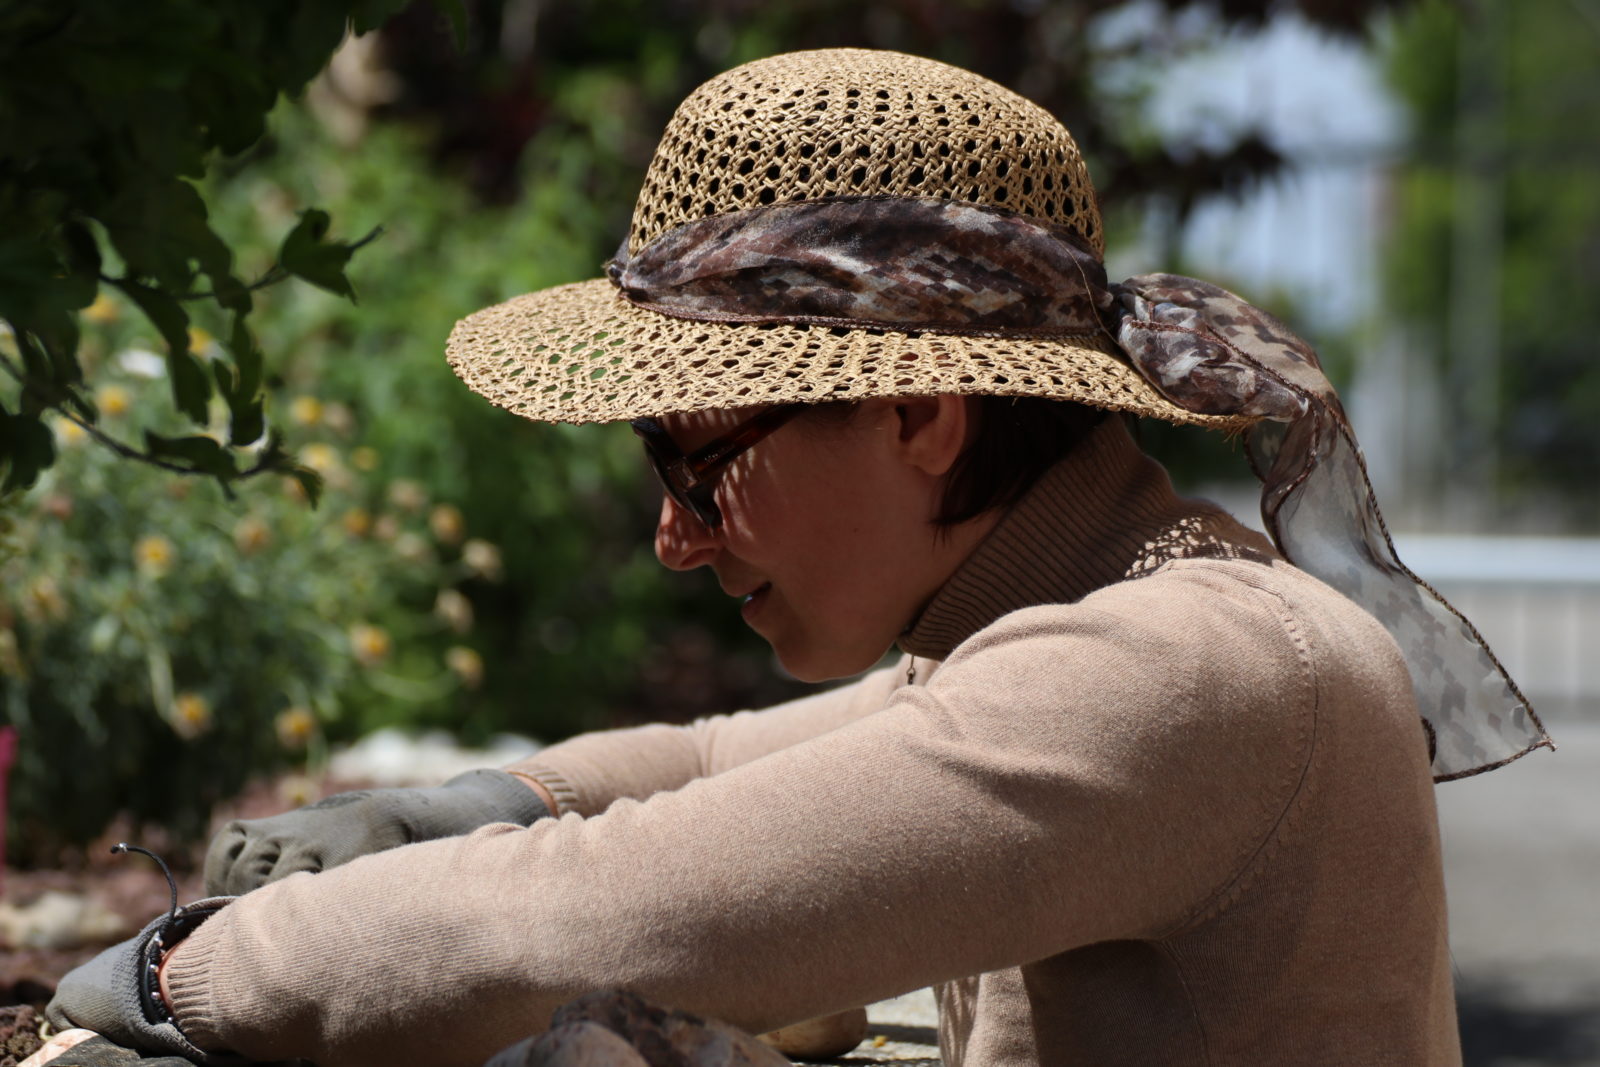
<point x="1154" y="797"/>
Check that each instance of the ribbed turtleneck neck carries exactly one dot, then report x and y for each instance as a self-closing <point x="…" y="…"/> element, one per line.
<point x="1105" y="513"/>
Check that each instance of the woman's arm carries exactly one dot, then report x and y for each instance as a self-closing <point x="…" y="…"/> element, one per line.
<point x="588" y="773"/>
<point x="1073" y="774"/>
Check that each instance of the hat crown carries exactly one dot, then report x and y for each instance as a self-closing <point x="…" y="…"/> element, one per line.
<point x="857" y="122"/>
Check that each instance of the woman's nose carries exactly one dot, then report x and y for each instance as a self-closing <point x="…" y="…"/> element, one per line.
<point x="683" y="542"/>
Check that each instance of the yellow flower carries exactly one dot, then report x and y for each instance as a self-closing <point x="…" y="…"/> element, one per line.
<point x="11" y="665"/>
<point x="305" y="410"/>
<point x="454" y="609"/>
<point x="113" y="400"/>
<point x="407" y="495"/>
<point x="447" y="523"/>
<point x="45" y="600"/>
<point x="411" y="548"/>
<point x="320" y="457"/>
<point x="191" y="715"/>
<point x="154" y="555"/>
<point x="387" y="528"/>
<point x="295" y="726"/>
<point x="199" y="341"/>
<point x="482" y="559"/>
<point x="103" y="310"/>
<point x="338" y="418"/>
<point x="296" y="791"/>
<point x="369" y="643"/>
<point x="69" y="433"/>
<point x="357" y="522"/>
<point x="251" y="535"/>
<point x="365" y="458"/>
<point x="465" y="664"/>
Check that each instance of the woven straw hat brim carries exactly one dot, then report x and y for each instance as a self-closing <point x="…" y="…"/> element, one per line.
<point x="581" y="353"/>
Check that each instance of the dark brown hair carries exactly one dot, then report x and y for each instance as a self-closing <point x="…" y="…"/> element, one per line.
<point x="1018" y="439"/>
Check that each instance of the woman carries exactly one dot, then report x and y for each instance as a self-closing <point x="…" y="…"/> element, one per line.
<point x="1137" y="789"/>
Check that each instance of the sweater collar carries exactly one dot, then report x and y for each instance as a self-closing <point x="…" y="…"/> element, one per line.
<point x="1105" y="513"/>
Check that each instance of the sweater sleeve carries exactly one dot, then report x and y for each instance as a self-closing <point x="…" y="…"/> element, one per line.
<point x="587" y="773"/>
<point x="1071" y="774"/>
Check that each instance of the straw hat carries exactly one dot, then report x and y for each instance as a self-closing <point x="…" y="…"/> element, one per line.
<point x="805" y="126"/>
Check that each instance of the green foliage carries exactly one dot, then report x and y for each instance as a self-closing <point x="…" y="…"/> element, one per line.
<point x="1495" y="247"/>
<point x="587" y="626"/>
<point x="159" y="644"/>
<point x="108" y="113"/>
<point x="476" y="545"/>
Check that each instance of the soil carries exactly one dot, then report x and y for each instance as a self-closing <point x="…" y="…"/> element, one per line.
<point x="19" y="1034"/>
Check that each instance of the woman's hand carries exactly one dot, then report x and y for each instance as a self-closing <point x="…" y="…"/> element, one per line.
<point x="250" y="853"/>
<point x="112" y="994"/>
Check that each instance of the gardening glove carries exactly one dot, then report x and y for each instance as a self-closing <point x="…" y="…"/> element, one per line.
<point x="249" y="853"/>
<point x="113" y="994"/>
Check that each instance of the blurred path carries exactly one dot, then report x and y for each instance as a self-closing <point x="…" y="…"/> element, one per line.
<point x="1522" y="867"/>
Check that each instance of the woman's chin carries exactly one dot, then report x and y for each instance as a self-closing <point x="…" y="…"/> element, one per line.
<point x="811" y="664"/>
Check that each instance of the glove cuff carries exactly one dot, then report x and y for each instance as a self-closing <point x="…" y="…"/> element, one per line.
<point x="161" y="937"/>
<point x="503" y="795"/>
<point x="160" y="1029"/>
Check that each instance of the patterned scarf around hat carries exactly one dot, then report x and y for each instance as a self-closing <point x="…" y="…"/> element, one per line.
<point x="912" y="264"/>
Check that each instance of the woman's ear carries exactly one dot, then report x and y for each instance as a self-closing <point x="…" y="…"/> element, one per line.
<point x="933" y="430"/>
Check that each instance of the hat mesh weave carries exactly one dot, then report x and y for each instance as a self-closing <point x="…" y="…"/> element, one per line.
<point x="853" y="122"/>
<point x="808" y="125"/>
<point x="615" y="361"/>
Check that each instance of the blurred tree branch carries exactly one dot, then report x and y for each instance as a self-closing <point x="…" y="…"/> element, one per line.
<point x="110" y="112"/>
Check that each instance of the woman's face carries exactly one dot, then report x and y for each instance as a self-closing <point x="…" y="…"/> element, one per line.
<point x="826" y="535"/>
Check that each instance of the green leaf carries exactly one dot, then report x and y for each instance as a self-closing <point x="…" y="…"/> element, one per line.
<point x="158" y="227"/>
<point x="225" y="379"/>
<point x="247" y="415"/>
<point x="35" y="361"/>
<point x="246" y="406"/>
<point x="310" y="481"/>
<point x="246" y="356"/>
<point x="81" y="281"/>
<point x="83" y="404"/>
<point x="201" y="453"/>
<point x="26" y="448"/>
<point x="164" y="313"/>
<point x="83" y="251"/>
<point x="28" y="272"/>
<point x="306" y="254"/>
<point x="456" y="12"/>
<point x="191" y="389"/>
<point x="248" y="423"/>
<point x="58" y="333"/>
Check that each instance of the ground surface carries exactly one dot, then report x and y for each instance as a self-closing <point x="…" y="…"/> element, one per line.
<point x="1522" y="866"/>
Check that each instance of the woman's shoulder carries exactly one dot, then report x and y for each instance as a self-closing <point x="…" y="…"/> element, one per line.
<point x="1191" y="631"/>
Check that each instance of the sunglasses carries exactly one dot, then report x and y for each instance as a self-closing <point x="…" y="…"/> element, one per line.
<point x="691" y="480"/>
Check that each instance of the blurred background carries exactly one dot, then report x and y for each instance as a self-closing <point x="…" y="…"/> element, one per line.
<point x="1414" y="185"/>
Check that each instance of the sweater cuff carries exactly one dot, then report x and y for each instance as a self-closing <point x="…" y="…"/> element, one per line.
<point x="189" y="986"/>
<point x="561" y="791"/>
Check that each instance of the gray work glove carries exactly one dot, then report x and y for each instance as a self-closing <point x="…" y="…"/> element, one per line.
<point x="112" y="993"/>
<point x="248" y="853"/>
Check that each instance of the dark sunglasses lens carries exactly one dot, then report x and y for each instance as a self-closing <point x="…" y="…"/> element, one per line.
<point x="699" y="501"/>
<point x="702" y="504"/>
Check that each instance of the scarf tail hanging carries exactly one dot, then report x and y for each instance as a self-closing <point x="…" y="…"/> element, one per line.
<point x="1320" y="509"/>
